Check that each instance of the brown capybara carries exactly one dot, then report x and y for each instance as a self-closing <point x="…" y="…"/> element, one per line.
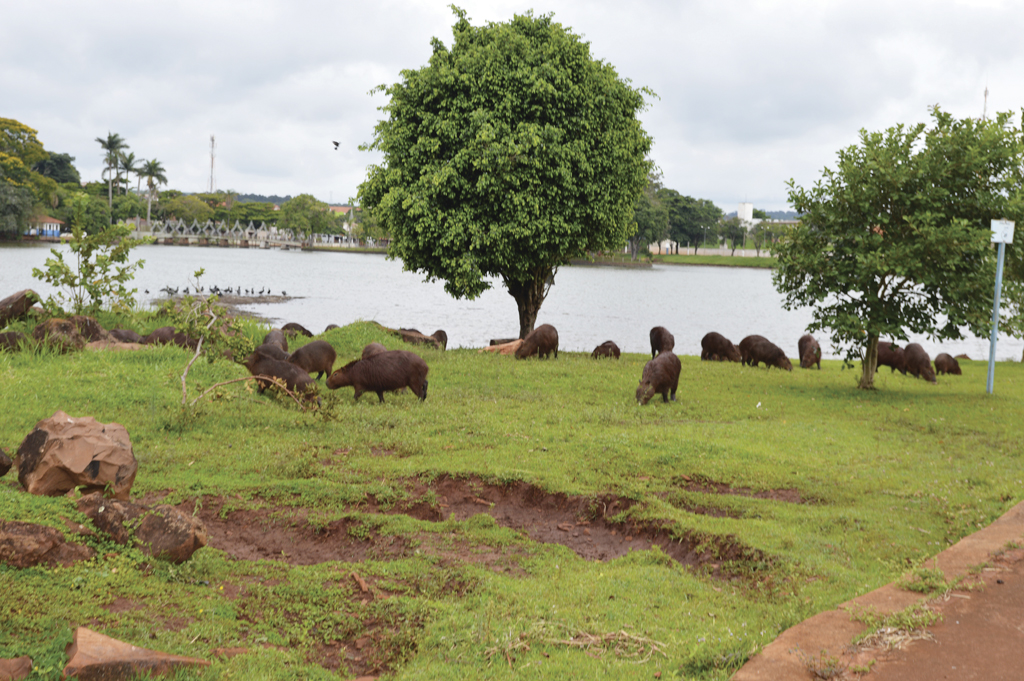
<point x="745" y="345"/>
<point x="769" y="353"/>
<point x="414" y="337"/>
<point x="161" y="336"/>
<point x="918" y="362"/>
<point x="385" y="371"/>
<point x="892" y="356"/>
<point x="273" y="351"/>
<point x="373" y="349"/>
<point x="441" y="337"/>
<point x="12" y="340"/>
<point x="126" y="336"/>
<point x="542" y="341"/>
<point x="316" y="356"/>
<point x="944" y="364"/>
<point x="661" y="341"/>
<point x="661" y="375"/>
<point x="276" y="337"/>
<point x="293" y="328"/>
<point x="294" y="378"/>
<point x="606" y="349"/>
<point x="810" y="351"/>
<point x="183" y="341"/>
<point x="89" y="328"/>
<point x="716" y="346"/>
<point x="331" y="326"/>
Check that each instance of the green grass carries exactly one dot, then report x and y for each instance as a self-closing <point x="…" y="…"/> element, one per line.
<point x="888" y="477"/>
<point x="763" y="261"/>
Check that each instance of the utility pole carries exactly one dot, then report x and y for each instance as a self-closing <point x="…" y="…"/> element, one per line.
<point x="213" y="155"/>
<point x="984" y="108"/>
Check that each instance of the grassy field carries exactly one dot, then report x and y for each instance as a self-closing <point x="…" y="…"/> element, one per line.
<point x="754" y="501"/>
<point x="764" y="261"/>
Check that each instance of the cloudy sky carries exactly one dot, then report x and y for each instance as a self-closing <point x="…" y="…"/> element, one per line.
<point x="750" y="93"/>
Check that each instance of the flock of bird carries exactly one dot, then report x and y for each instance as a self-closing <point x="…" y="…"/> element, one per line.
<point x="216" y="290"/>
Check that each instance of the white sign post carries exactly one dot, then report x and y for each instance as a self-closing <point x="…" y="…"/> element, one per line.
<point x="1002" y="234"/>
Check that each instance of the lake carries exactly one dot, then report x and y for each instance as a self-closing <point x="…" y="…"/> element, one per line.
<point x="588" y="305"/>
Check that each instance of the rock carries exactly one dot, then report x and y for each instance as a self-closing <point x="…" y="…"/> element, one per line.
<point x="5" y="462"/>
<point x="89" y="328"/>
<point x="11" y="340"/>
<point x="504" y="348"/>
<point x="25" y="545"/>
<point x="16" y="305"/>
<point x="63" y="453"/>
<point x="161" y="531"/>
<point x="95" y="657"/>
<point x="126" y="336"/>
<point x="15" y="669"/>
<point x="61" y="334"/>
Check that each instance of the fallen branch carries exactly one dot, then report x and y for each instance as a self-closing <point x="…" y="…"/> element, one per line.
<point x="279" y="382"/>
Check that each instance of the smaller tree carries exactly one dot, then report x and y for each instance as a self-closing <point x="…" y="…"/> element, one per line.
<point x="306" y="216"/>
<point x="761" y="235"/>
<point x="651" y="216"/>
<point x="733" y="230"/>
<point x="112" y="147"/>
<point x="155" y="175"/>
<point x="188" y="208"/>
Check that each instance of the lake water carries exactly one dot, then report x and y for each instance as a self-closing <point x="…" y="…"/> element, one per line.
<point x="588" y="305"/>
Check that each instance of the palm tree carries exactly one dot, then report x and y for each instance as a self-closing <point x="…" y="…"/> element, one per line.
<point x="154" y="174"/>
<point x="112" y="146"/>
<point x="129" y="165"/>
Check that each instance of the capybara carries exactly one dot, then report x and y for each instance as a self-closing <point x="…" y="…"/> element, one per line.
<point x="11" y="340"/>
<point x="746" y="344"/>
<point x="316" y="356"/>
<point x="276" y="337"/>
<point x="944" y="364"/>
<point x="716" y="346"/>
<point x="331" y="326"/>
<point x="918" y="362"/>
<point x="606" y="349"/>
<point x="542" y="341"/>
<point x="892" y="356"/>
<point x="661" y="341"/>
<point x="373" y="349"/>
<point x="441" y="338"/>
<point x="161" y="336"/>
<point x="183" y="341"/>
<point x="295" y="378"/>
<point x="385" y="371"/>
<point x="89" y="328"/>
<point x="126" y="336"/>
<point x="661" y="375"/>
<point x="292" y="327"/>
<point x="273" y="351"/>
<point x="414" y="337"/>
<point x="810" y="352"/>
<point x="769" y="353"/>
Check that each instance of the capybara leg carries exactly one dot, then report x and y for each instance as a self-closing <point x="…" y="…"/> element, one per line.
<point x="380" y="396"/>
<point x="358" y="393"/>
<point x="664" y="397"/>
<point x="423" y="394"/>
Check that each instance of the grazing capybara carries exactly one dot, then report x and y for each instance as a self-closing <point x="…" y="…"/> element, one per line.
<point x="183" y="341"/>
<point x="944" y="364"/>
<point x="385" y="371"/>
<point x="316" y="356"/>
<point x="661" y="341"/>
<point x="745" y="345"/>
<point x="661" y="375"/>
<point x="331" y="326"/>
<point x="769" y="353"/>
<point x="126" y="336"/>
<point x="441" y="337"/>
<point x="292" y="327"/>
<point x="810" y="352"/>
<point x="11" y="340"/>
<point x="918" y="362"/>
<point x="542" y="341"/>
<point x="161" y="336"/>
<point x="606" y="349"/>
<point x="892" y="356"/>
<point x="273" y="351"/>
<point x="276" y="337"/>
<point x="294" y="378"/>
<point x="414" y="337"/>
<point x="373" y="349"/>
<point x="716" y="346"/>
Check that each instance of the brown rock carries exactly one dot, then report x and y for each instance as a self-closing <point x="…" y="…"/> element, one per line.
<point x="15" y="669"/>
<point x="25" y="545"/>
<point x="11" y="340"/>
<point x="504" y="348"/>
<point x="89" y="328"/>
<point x="16" y="305"/>
<point x="64" y="453"/>
<point x="5" y="463"/>
<point x="61" y="334"/>
<point x="95" y="657"/>
<point x="162" y="531"/>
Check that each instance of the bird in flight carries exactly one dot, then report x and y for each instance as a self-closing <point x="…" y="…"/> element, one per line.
<point x="335" y="145"/>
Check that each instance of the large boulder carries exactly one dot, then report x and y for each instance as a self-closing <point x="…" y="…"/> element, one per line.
<point x="16" y="305"/>
<point x="5" y="463"/>
<point x="61" y="334"/>
<point x="89" y="328"/>
<point x="15" y="669"/>
<point x="25" y="545"/>
<point x="161" y="531"/>
<point x="64" y="453"/>
<point x="95" y="657"/>
<point x="11" y="340"/>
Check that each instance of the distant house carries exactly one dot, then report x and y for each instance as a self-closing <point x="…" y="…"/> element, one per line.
<point x="44" y="225"/>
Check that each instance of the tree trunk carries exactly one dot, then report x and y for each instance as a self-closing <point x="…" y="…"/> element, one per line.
<point x="869" y="364"/>
<point x="530" y="296"/>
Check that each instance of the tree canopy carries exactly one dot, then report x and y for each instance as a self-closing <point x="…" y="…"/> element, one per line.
<point x="651" y="218"/>
<point x="691" y="220"/>
<point x="509" y="154"/>
<point x="305" y="215"/>
<point x="896" y="238"/>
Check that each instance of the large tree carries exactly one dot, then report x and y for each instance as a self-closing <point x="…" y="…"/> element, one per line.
<point x="155" y="175"/>
<point x="60" y="168"/>
<point x="690" y="220"/>
<point x="509" y="154"/>
<point x="112" y="147"/>
<point x="305" y="216"/>
<point x="896" y="238"/>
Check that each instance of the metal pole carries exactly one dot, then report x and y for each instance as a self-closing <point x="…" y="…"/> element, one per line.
<point x="995" y="318"/>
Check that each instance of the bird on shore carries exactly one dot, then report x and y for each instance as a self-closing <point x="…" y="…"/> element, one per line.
<point x="147" y="290"/>
<point x="284" y="293"/>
